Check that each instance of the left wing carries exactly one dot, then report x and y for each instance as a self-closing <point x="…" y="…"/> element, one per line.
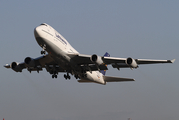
<point x="82" y="59"/>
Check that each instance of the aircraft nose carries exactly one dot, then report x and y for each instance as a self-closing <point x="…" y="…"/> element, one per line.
<point x="37" y="32"/>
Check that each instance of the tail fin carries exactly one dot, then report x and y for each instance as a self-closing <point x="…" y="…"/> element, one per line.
<point x="105" y="55"/>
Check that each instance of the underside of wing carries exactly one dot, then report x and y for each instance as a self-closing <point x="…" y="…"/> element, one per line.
<point x="45" y="62"/>
<point x="116" y="79"/>
<point x="81" y="59"/>
<point x="35" y="64"/>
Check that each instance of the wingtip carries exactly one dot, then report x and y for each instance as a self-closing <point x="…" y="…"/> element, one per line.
<point x="7" y="66"/>
<point x="172" y="61"/>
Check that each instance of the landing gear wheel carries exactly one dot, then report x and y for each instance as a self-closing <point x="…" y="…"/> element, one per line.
<point x="55" y="76"/>
<point x="76" y="76"/>
<point x="42" y="52"/>
<point x="65" y="76"/>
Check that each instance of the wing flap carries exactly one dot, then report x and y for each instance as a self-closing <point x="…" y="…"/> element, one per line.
<point x="116" y="79"/>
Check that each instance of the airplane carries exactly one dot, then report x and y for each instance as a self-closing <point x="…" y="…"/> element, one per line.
<point x="62" y="57"/>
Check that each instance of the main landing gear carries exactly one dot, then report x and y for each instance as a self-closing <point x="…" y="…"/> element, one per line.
<point x="76" y="76"/>
<point x="79" y="76"/>
<point x="54" y="74"/>
<point x="67" y="76"/>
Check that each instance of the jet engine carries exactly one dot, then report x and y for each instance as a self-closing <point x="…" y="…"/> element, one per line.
<point x="16" y="67"/>
<point x="96" y="59"/>
<point x="29" y="61"/>
<point x="131" y="63"/>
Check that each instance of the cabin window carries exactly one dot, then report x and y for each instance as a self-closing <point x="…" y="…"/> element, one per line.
<point x="43" y="24"/>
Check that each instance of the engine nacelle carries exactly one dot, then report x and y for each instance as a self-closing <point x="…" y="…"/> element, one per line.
<point x="16" y="67"/>
<point x="96" y="59"/>
<point x="29" y="61"/>
<point x="131" y="63"/>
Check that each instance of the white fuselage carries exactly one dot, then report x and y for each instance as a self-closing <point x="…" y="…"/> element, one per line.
<point x="59" y="48"/>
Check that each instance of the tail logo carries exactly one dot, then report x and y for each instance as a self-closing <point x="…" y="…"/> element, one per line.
<point x="105" y="55"/>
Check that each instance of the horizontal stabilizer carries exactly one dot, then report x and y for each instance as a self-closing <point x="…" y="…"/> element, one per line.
<point x="116" y="79"/>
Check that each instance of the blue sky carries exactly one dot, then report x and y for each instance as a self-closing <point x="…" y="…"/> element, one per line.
<point x="138" y="29"/>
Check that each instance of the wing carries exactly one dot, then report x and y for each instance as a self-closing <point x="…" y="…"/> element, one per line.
<point x="116" y="79"/>
<point x="85" y="62"/>
<point x="133" y="63"/>
<point x="36" y="64"/>
<point x="149" y="61"/>
<point x="82" y="59"/>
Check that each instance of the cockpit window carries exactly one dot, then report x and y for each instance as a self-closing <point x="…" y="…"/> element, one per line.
<point x="43" y="24"/>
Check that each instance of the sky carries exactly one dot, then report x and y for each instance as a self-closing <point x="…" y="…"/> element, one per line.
<point x="124" y="28"/>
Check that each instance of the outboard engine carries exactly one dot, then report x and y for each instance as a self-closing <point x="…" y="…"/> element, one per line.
<point x="16" y="67"/>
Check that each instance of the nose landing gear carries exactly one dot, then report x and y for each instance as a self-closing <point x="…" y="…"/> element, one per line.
<point x="43" y="51"/>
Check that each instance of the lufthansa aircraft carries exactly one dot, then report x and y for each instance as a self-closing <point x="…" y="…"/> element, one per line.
<point x="62" y="57"/>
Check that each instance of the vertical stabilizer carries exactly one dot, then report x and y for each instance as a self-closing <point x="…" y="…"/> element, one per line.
<point x="105" y="55"/>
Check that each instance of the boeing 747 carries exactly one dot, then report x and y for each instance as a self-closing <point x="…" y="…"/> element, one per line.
<point x="59" y="56"/>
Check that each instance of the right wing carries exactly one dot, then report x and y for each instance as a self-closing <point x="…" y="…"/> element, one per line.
<point x="35" y="64"/>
